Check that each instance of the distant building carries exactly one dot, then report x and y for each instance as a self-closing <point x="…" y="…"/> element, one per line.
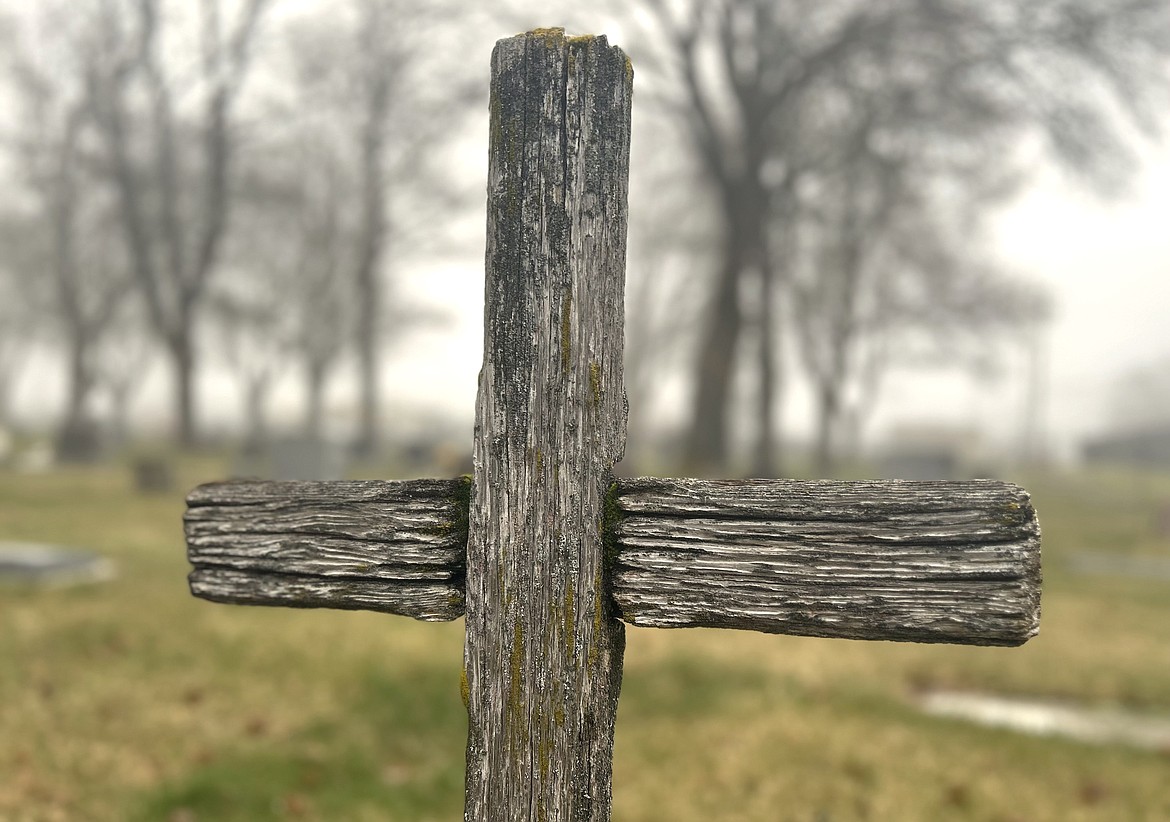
<point x="1147" y="448"/>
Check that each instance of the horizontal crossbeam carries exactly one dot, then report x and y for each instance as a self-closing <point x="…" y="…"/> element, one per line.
<point x="955" y="562"/>
<point x="394" y="547"/>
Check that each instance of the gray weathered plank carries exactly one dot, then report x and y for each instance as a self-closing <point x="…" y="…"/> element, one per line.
<point x="954" y="562"/>
<point x="543" y="655"/>
<point x="397" y="547"/>
<point x="420" y="599"/>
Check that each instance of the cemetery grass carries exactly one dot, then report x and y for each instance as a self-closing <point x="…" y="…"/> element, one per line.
<point x="130" y="700"/>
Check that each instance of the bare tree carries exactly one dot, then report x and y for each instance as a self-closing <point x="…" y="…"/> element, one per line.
<point x="246" y="320"/>
<point x="886" y="283"/>
<point x="379" y="63"/>
<point x="755" y="84"/>
<point x="740" y="68"/>
<point x="122" y="365"/>
<point x="376" y="107"/>
<point x="20" y="310"/>
<point x="14" y="315"/>
<point x="293" y="300"/>
<point x="71" y="237"/>
<point x="670" y="238"/>
<point x="171" y="162"/>
<point x="325" y="294"/>
<point x="895" y="124"/>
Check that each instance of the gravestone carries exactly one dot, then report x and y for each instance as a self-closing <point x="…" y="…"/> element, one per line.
<point x="305" y="458"/>
<point x="291" y="458"/>
<point x="541" y="550"/>
<point x="1122" y="565"/>
<point x="30" y="564"/>
<point x="35" y="458"/>
<point x="153" y="474"/>
<point x="1162" y="521"/>
<point x="1091" y="724"/>
<point x="919" y="463"/>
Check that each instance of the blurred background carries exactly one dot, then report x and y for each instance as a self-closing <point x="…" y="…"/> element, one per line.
<point x="854" y="229"/>
<point x="908" y="238"/>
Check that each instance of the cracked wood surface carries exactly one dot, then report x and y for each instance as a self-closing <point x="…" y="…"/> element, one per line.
<point x="396" y="547"/>
<point x="543" y="654"/>
<point x="955" y="562"/>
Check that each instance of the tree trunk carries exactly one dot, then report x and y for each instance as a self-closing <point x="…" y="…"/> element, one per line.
<point x="183" y="373"/>
<point x="172" y="285"/>
<point x="766" y="459"/>
<point x="79" y="382"/>
<point x="706" y="448"/>
<point x="367" y="439"/>
<point x="745" y="209"/>
<point x="849" y="432"/>
<point x="372" y="250"/>
<point x="315" y="399"/>
<point x="120" y="413"/>
<point x="256" y="392"/>
<point x="77" y="441"/>
<point x="8" y="374"/>
<point x="828" y="416"/>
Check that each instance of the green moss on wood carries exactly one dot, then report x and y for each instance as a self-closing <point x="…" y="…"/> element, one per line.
<point x="566" y="333"/>
<point x="515" y="702"/>
<point x="595" y="384"/>
<point x="595" y="640"/>
<point x="543" y="747"/>
<point x="570" y="610"/>
<point x="550" y="36"/>
<point x="459" y="521"/>
<point x="507" y="135"/>
<point x="611" y="519"/>
<point x="1013" y="513"/>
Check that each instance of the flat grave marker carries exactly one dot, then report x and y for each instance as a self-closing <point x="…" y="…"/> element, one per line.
<point x="1038" y="717"/>
<point x="37" y="565"/>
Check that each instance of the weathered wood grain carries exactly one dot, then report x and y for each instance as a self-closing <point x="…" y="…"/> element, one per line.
<point x="397" y="547"/>
<point x="933" y="562"/>
<point x="544" y="651"/>
<point x="420" y="599"/>
<point x="955" y="562"/>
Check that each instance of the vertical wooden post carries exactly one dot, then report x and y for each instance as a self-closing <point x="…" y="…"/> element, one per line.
<point x="543" y="657"/>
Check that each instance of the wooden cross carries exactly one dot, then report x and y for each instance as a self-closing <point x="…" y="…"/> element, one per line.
<point x="541" y="550"/>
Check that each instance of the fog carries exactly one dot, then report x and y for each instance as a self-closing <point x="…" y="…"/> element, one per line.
<point x="1074" y="223"/>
